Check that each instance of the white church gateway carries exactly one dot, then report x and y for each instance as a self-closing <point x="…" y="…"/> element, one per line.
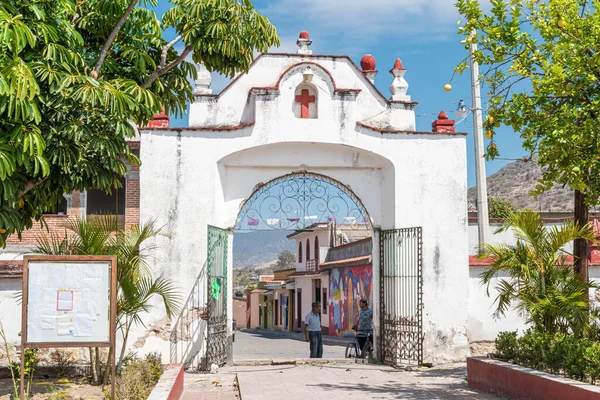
<point x="320" y="116"/>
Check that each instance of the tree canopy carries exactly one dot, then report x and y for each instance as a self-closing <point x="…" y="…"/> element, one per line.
<point x="76" y="75"/>
<point x="541" y="62"/>
<point x="286" y="259"/>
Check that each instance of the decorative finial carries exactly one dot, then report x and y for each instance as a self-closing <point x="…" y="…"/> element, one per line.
<point x="443" y="124"/>
<point x="303" y="43"/>
<point x="203" y="81"/>
<point x="399" y="86"/>
<point x="368" y="65"/>
<point x="442" y="115"/>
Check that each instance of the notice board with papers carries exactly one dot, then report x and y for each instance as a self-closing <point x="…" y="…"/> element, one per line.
<point x="69" y="301"/>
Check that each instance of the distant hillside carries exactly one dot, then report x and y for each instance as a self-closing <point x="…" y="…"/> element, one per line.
<point x="260" y="247"/>
<point x="516" y="180"/>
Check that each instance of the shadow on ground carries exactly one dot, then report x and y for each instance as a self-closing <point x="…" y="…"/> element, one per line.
<point x="393" y="390"/>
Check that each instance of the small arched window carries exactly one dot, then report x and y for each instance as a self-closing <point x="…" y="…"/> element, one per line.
<point x="305" y="101"/>
<point x="307" y="249"/>
<point x="317" y="250"/>
<point x="299" y="252"/>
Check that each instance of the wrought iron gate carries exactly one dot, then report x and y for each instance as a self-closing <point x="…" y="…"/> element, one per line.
<point x="216" y="262"/>
<point x="401" y="288"/>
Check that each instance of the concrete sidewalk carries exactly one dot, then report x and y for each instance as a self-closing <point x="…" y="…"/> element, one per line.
<point x="342" y="381"/>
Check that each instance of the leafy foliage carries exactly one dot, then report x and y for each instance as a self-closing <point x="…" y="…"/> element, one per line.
<point x="286" y="260"/>
<point x="577" y="358"/>
<point x="137" y="379"/>
<point x="540" y="284"/>
<point x="500" y="208"/>
<point x="75" y="76"/>
<point x="541" y="60"/>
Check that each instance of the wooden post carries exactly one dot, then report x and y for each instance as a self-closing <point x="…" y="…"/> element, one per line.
<point x="580" y="246"/>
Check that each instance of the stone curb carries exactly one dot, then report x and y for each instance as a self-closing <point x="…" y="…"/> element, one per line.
<point x="170" y="385"/>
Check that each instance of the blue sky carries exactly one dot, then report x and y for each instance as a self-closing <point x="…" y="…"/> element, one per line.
<point x="422" y="33"/>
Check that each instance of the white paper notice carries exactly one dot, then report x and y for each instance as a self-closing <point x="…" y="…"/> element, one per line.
<point x="73" y="277"/>
<point x="48" y="321"/>
<point x="34" y="333"/>
<point x="83" y="324"/>
<point x="38" y="277"/>
<point x="94" y="286"/>
<point x="81" y="301"/>
<point x="35" y="295"/>
<point x="49" y="299"/>
<point x="92" y="271"/>
<point x="64" y="300"/>
<point x="65" y="324"/>
<point x="58" y="276"/>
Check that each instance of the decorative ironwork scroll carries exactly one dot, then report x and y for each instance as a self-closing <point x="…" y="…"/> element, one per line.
<point x="401" y="288"/>
<point x="299" y="200"/>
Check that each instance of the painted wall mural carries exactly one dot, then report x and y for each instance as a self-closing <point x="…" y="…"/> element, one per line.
<point x="347" y="286"/>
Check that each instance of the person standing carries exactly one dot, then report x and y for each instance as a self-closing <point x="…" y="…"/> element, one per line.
<point x="365" y="324"/>
<point x="312" y="331"/>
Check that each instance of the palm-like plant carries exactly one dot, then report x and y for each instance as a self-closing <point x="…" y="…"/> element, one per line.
<point x="541" y="285"/>
<point x="136" y="285"/>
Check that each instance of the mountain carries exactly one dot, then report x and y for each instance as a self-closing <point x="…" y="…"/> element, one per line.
<point x="516" y="180"/>
<point x="260" y="247"/>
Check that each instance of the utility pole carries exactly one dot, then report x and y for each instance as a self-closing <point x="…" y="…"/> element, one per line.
<point x="483" y="222"/>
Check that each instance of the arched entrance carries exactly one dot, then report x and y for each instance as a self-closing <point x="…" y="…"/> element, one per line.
<point x="307" y="216"/>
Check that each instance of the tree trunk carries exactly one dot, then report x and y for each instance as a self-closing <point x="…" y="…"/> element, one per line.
<point x="108" y="365"/>
<point x="580" y="246"/>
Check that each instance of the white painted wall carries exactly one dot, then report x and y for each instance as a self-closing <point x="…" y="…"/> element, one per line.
<point x="481" y="325"/>
<point x="500" y="237"/>
<point x="10" y="309"/>
<point x="193" y="178"/>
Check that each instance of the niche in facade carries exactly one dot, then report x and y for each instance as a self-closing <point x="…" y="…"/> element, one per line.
<point x="306" y="101"/>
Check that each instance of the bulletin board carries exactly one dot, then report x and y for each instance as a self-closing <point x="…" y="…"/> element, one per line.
<point x="68" y="301"/>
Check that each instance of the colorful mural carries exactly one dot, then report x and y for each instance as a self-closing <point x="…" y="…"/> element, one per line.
<point x="347" y="286"/>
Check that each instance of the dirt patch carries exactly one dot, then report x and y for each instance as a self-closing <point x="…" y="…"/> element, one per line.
<point x="54" y="389"/>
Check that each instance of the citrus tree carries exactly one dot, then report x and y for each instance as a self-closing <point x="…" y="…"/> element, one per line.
<point x="75" y="76"/>
<point x="541" y="63"/>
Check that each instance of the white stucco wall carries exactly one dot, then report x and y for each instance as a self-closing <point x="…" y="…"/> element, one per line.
<point x="10" y="309"/>
<point x="192" y="178"/>
<point x="482" y="326"/>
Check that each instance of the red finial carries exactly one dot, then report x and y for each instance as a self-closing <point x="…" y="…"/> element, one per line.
<point x="398" y="64"/>
<point x="304" y="35"/>
<point x="443" y="115"/>
<point x="368" y="63"/>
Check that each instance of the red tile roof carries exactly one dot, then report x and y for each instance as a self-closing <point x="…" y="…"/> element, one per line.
<point x="366" y="258"/>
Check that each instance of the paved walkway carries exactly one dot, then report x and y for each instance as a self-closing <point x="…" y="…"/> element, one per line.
<point x="332" y="382"/>
<point x="268" y="345"/>
<point x="344" y="381"/>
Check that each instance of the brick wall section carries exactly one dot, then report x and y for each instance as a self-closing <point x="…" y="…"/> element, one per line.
<point x="132" y="203"/>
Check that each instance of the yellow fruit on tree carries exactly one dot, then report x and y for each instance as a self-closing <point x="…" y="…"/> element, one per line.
<point x="491" y="119"/>
<point x="447" y="87"/>
<point x="489" y="134"/>
<point x="561" y="23"/>
<point x="492" y="146"/>
<point x="21" y="203"/>
<point x="2" y="231"/>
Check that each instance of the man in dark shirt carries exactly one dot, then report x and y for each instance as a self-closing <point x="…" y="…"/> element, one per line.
<point x="365" y="324"/>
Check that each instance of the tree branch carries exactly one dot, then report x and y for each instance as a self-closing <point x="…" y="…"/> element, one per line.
<point x="111" y="38"/>
<point x="29" y="185"/>
<point x="165" y="50"/>
<point x="163" y="69"/>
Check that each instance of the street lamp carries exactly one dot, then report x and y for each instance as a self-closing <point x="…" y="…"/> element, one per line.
<point x="462" y="110"/>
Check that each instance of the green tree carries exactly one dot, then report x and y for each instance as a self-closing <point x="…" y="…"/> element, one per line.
<point x="540" y="285"/>
<point x="75" y="76"/>
<point x="500" y="208"/>
<point x="542" y="68"/>
<point x="286" y="260"/>
<point x="135" y="284"/>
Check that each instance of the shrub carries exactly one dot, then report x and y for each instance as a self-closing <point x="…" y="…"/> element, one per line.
<point x="534" y="348"/>
<point x="137" y="379"/>
<point x="592" y="361"/>
<point x="507" y="345"/>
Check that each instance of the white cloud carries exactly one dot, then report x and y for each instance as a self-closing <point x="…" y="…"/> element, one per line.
<point x="365" y="20"/>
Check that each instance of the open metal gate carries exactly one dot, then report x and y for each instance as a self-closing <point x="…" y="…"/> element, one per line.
<point x="401" y="288"/>
<point x="216" y="263"/>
